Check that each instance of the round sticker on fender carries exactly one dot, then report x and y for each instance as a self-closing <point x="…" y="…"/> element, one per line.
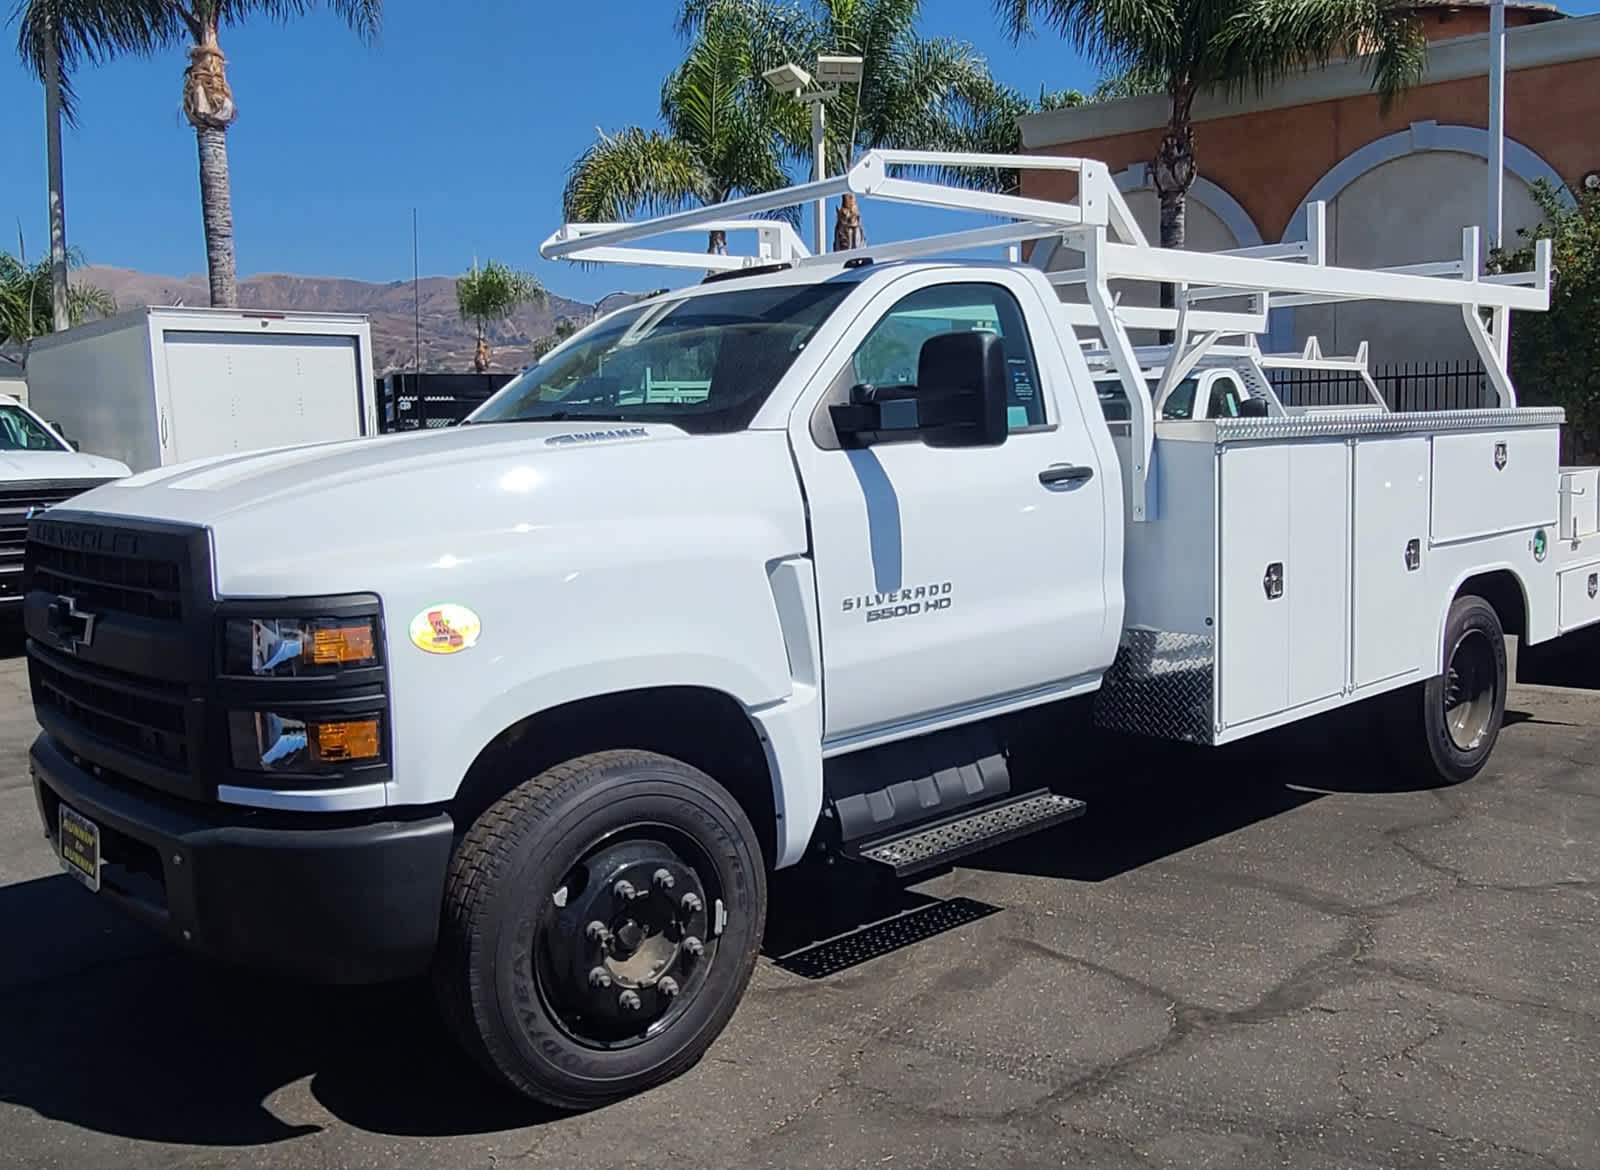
<point x="445" y="629"/>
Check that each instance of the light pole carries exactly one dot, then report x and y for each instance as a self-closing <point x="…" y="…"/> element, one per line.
<point x="1497" y="121"/>
<point x="832" y="72"/>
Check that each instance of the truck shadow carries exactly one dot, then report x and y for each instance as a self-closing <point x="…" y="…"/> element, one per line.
<point x="105" y="1028"/>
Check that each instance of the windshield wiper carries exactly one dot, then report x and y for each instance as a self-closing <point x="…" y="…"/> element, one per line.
<point x="558" y="416"/>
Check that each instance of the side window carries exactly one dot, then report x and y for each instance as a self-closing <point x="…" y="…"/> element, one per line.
<point x="1180" y="403"/>
<point x="1225" y="397"/>
<point x="891" y="352"/>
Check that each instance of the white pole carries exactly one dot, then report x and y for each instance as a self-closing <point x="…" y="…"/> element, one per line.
<point x="819" y="172"/>
<point x="1497" y="121"/>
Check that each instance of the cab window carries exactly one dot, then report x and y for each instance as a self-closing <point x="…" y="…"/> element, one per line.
<point x="1226" y="394"/>
<point x="890" y="354"/>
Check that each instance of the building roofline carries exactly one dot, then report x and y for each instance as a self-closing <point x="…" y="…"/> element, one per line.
<point x="1551" y="43"/>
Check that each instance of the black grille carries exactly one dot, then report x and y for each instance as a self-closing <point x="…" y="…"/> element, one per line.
<point x="17" y="500"/>
<point x="119" y="626"/>
<point x="141" y="586"/>
<point x="110" y="706"/>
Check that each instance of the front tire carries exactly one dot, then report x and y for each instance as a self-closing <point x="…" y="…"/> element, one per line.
<point x="1452" y="722"/>
<point x="601" y="922"/>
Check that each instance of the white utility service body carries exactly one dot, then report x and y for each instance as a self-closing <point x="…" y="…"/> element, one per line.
<point x="567" y="680"/>
<point x="158" y="386"/>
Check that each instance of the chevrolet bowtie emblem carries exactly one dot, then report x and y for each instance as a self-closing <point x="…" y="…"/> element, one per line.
<point x="71" y="628"/>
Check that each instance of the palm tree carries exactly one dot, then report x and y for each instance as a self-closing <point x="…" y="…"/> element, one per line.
<point x="52" y="57"/>
<point x="26" y="309"/>
<point x="720" y="140"/>
<point x="100" y="28"/>
<point x="916" y="93"/>
<point x="1231" y="46"/>
<point x="490" y="294"/>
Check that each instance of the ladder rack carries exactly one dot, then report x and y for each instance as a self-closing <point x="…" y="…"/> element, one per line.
<point x="1098" y="224"/>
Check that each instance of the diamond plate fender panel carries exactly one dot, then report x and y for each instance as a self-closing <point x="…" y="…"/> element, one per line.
<point x="1162" y="685"/>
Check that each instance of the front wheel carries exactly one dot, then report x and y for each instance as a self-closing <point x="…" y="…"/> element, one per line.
<point x="1452" y="722"/>
<point x="601" y="922"/>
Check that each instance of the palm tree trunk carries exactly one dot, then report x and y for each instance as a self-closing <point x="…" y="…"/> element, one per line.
<point x="847" y="230"/>
<point x="1173" y="174"/>
<point x="208" y="104"/>
<point x="61" y="315"/>
<point x="480" y="356"/>
<point x="216" y="210"/>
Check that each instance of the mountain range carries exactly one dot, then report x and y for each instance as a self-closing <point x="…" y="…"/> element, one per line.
<point x="447" y="341"/>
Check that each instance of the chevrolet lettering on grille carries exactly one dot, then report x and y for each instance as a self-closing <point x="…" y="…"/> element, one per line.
<point x="70" y="626"/>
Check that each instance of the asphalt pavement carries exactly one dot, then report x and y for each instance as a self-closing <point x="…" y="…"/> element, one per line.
<point x="1282" y="954"/>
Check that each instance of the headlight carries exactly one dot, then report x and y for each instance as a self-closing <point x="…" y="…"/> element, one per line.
<point x="265" y="741"/>
<point x="296" y="647"/>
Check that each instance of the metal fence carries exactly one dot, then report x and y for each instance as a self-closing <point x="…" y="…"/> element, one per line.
<point x="1458" y="385"/>
<point x="414" y="402"/>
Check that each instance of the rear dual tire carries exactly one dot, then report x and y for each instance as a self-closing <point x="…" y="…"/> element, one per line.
<point x="601" y="922"/>
<point x="1447" y="727"/>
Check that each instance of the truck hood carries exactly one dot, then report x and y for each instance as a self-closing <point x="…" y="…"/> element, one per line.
<point x="209" y="491"/>
<point x="58" y="465"/>
<point x="476" y="505"/>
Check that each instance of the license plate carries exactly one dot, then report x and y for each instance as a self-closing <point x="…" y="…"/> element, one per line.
<point x="79" y="846"/>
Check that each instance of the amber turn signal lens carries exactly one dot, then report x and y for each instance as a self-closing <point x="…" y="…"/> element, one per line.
<point x="333" y="645"/>
<point x="355" y="739"/>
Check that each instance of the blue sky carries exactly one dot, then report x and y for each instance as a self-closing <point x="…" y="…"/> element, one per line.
<point x="472" y="119"/>
<point x="470" y="112"/>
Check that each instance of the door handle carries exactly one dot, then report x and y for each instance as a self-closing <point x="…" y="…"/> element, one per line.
<point x="1065" y="473"/>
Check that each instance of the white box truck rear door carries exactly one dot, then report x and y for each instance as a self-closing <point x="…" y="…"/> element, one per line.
<point x="241" y="392"/>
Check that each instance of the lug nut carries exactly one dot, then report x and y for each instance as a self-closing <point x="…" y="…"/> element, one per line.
<point x="694" y="946"/>
<point x="663" y="880"/>
<point x="691" y="903"/>
<point x="598" y="932"/>
<point x="629" y="1001"/>
<point x="668" y="987"/>
<point x="623" y="891"/>
<point x="599" y="978"/>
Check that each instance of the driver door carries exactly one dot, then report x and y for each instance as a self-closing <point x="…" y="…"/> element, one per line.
<point x="953" y="579"/>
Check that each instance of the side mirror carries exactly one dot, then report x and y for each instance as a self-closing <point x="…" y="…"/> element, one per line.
<point x="1253" y="408"/>
<point x="959" y="399"/>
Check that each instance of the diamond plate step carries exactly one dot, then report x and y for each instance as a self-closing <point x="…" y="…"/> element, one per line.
<point x="957" y="836"/>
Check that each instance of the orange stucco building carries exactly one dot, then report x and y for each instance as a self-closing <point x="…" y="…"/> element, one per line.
<point x="1398" y="184"/>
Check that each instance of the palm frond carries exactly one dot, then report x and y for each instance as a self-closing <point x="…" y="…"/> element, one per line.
<point x="365" y="17"/>
<point x="90" y="32"/>
<point x="1263" y="41"/>
<point x="634" y="171"/>
<point x="493" y="291"/>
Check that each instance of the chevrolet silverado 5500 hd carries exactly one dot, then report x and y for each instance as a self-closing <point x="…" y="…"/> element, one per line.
<point x="754" y="569"/>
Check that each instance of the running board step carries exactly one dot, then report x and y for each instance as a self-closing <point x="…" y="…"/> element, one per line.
<point x="968" y="832"/>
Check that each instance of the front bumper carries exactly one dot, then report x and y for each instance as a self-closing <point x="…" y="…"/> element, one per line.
<point x="340" y="898"/>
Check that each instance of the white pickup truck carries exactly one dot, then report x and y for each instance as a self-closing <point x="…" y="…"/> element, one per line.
<point x="38" y="469"/>
<point x="538" y="702"/>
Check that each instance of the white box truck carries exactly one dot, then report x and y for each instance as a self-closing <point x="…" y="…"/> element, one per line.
<point x="157" y="386"/>
<point x="545" y="729"/>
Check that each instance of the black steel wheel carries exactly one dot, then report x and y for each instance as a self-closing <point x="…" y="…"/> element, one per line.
<point x="600" y="923"/>
<point x="1459" y="713"/>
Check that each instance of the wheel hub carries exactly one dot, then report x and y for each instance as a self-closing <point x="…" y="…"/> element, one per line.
<point x="629" y="939"/>
<point x="1471" y="690"/>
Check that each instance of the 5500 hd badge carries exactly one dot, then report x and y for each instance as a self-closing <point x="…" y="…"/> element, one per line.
<point x="899" y="603"/>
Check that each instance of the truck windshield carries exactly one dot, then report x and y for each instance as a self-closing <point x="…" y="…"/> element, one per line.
<point x="703" y="363"/>
<point x="20" y="431"/>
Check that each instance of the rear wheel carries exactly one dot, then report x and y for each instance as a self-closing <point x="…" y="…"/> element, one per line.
<point x="1459" y="713"/>
<point x="601" y="922"/>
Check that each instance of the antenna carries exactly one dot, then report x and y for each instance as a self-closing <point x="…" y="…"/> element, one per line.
<point x="416" y="299"/>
